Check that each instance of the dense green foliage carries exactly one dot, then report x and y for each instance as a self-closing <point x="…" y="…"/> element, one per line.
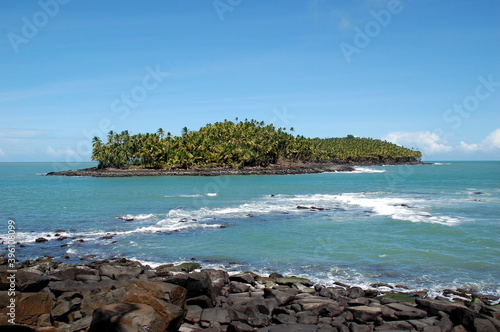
<point x="237" y="144"/>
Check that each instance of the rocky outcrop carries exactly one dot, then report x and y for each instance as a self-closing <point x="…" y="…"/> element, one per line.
<point x="297" y="168"/>
<point x="123" y="295"/>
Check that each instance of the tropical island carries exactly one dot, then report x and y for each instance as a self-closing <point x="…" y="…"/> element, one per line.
<point x="239" y="147"/>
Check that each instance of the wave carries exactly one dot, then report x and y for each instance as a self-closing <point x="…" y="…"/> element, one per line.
<point x="192" y="195"/>
<point x="358" y="169"/>
<point x="369" y="204"/>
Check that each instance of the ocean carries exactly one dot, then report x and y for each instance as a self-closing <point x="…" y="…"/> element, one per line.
<point x="428" y="227"/>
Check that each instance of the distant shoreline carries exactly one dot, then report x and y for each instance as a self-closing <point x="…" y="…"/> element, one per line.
<point x="274" y="169"/>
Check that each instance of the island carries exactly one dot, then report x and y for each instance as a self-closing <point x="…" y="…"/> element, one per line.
<point x="246" y="147"/>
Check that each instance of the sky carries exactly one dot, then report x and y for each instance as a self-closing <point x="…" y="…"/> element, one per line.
<point x="424" y="74"/>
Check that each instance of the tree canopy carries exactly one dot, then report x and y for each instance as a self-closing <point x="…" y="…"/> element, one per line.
<point x="237" y="144"/>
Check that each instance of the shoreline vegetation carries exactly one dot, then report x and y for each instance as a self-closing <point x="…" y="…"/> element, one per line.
<point x="125" y="295"/>
<point x="236" y="148"/>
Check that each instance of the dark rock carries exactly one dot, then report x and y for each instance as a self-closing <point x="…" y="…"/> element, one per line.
<point x="283" y="298"/>
<point x="334" y="293"/>
<point x="239" y="327"/>
<point x="203" y="301"/>
<point x="24" y="281"/>
<point x="365" y="313"/>
<point x="41" y="239"/>
<point x="193" y="314"/>
<point x="356" y="292"/>
<point x="126" y="317"/>
<point x="243" y="277"/>
<point x="435" y="306"/>
<point x="238" y="287"/>
<point x="484" y="325"/>
<point x="302" y="207"/>
<point x="154" y="295"/>
<point x="358" y="301"/>
<point x="285" y="319"/>
<point x="405" y="312"/>
<point x="292" y="280"/>
<point x="29" y="306"/>
<point x="395" y="326"/>
<point x="307" y="318"/>
<point x="467" y="317"/>
<point x="260" y="320"/>
<point x="114" y="272"/>
<point x="290" y="328"/>
<point x="218" y="315"/>
<point x="353" y="327"/>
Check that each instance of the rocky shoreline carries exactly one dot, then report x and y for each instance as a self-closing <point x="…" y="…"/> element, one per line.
<point x="124" y="295"/>
<point x="278" y="169"/>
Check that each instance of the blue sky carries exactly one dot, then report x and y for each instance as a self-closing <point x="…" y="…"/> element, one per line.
<point x="424" y="74"/>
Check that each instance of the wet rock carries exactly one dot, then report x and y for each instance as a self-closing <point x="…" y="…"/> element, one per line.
<point x="243" y="277"/>
<point x="41" y="240"/>
<point x="292" y="280"/>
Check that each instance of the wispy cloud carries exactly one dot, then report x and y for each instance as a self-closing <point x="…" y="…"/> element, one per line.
<point x="490" y="143"/>
<point x="431" y="143"/>
<point x="2" y="153"/>
<point x="56" y="88"/>
<point x="67" y="152"/>
<point x="426" y="141"/>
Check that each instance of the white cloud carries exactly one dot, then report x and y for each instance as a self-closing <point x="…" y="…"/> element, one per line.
<point x="60" y="152"/>
<point x="425" y="141"/>
<point x="490" y="143"/>
<point x="2" y="153"/>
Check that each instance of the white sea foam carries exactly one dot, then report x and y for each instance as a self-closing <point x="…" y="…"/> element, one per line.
<point x="137" y="217"/>
<point x="358" y="170"/>
<point x="192" y="195"/>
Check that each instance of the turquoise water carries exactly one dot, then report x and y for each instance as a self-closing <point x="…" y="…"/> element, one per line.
<point x="425" y="226"/>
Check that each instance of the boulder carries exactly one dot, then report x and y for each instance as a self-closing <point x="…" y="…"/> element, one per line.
<point x="292" y="280"/>
<point x="283" y="298"/>
<point x="171" y="314"/>
<point x="114" y="272"/>
<point x="24" y="281"/>
<point x="238" y="287"/>
<point x="435" y="306"/>
<point x="29" y="307"/>
<point x="365" y="313"/>
<point x="127" y="317"/>
<point x="239" y="327"/>
<point x="243" y="277"/>
<point x="218" y="315"/>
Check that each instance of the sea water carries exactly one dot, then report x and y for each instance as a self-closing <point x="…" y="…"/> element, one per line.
<point x="428" y="227"/>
